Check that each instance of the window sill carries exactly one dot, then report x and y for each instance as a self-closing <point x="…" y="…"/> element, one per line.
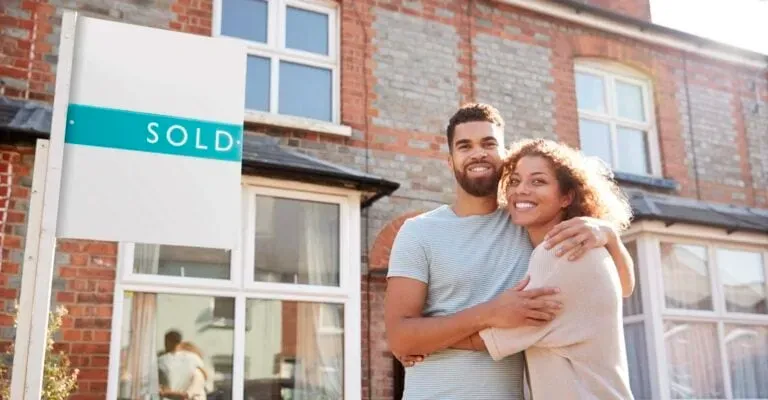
<point x="306" y="124"/>
<point x="647" y="181"/>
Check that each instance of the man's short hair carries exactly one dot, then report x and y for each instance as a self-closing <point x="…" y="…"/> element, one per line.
<point x="473" y="112"/>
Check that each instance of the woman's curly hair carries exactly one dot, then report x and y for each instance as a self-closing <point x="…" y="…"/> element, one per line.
<point x="595" y="193"/>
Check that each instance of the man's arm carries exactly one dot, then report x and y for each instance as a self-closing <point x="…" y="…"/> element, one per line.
<point x="409" y="333"/>
<point x="577" y="235"/>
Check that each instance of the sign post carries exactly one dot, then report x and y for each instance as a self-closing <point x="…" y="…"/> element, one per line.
<point x="145" y="147"/>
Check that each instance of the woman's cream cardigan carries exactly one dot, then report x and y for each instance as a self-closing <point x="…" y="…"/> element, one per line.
<point x="581" y="353"/>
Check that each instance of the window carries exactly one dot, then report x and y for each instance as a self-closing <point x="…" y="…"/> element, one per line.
<point x="277" y="318"/>
<point x="715" y="320"/>
<point x="635" y="325"/>
<point x="292" y="64"/>
<point x="615" y="118"/>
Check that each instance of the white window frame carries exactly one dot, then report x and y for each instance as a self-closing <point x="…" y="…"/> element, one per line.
<point x="650" y="235"/>
<point x="611" y="72"/>
<point x="239" y="288"/>
<point x="275" y="50"/>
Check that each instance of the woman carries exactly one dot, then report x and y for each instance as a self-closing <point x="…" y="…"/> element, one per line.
<point x="190" y="359"/>
<point x="581" y="353"/>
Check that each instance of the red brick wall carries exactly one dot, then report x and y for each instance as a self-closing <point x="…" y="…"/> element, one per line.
<point x="640" y="9"/>
<point x="83" y="282"/>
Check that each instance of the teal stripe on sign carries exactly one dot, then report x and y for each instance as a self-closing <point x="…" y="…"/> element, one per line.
<point x="162" y="134"/>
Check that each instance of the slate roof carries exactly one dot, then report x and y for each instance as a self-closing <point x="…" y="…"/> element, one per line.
<point x="673" y="209"/>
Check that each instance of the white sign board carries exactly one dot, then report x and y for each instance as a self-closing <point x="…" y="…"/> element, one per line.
<point x="153" y="140"/>
<point x="145" y="147"/>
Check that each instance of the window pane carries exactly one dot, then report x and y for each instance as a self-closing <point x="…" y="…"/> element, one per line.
<point x="629" y="101"/>
<point x="633" y="150"/>
<point x="289" y="356"/>
<point x="305" y="91"/>
<point x="693" y="360"/>
<point x="743" y="277"/>
<point x="170" y="342"/>
<point x="257" y="87"/>
<point x="306" y="30"/>
<point x="686" y="277"/>
<point x="297" y="241"/>
<point x="195" y="262"/>
<point x="637" y="358"/>
<point x="634" y="304"/>
<point x="245" y="19"/>
<point x="589" y="92"/>
<point x="747" y="349"/>
<point x="595" y="139"/>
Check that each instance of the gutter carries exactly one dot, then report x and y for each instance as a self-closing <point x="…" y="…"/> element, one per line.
<point x="609" y="21"/>
<point x="381" y="187"/>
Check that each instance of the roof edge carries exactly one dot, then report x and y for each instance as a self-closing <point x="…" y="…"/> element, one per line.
<point x="610" y="21"/>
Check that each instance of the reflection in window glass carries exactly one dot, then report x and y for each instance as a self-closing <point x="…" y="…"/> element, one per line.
<point x="629" y="101"/>
<point x="245" y="19"/>
<point x="296" y="241"/>
<point x="295" y="352"/>
<point x="693" y="360"/>
<point x="686" y="277"/>
<point x="590" y="93"/>
<point x="595" y="139"/>
<point x="257" y="83"/>
<point x="747" y="349"/>
<point x="633" y="151"/>
<point x="171" y="345"/>
<point x="742" y="275"/>
<point x="305" y="91"/>
<point x="306" y="30"/>
<point x="194" y="262"/>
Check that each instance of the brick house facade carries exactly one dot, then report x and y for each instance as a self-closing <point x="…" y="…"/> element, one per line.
<point x="402" y="67"/>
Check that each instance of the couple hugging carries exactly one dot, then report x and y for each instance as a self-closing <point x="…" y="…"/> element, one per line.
<point x="520" y="279"/>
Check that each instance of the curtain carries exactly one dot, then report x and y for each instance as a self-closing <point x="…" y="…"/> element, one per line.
<point x="747" y="349"/>
<point x="139" y="380"/>
<point x="637" y="358"/>
<point x="320" y="361"/>
<point x="693" y="360"/>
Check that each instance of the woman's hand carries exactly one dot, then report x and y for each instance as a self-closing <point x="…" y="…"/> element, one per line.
<point x="577" y="235"/>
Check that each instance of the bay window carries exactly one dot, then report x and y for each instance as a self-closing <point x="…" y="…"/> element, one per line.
<point x="276" y="318"/>
<point x="706" y="306"/>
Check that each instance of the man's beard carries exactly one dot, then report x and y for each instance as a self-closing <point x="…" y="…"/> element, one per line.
<point x="478" y="187"/>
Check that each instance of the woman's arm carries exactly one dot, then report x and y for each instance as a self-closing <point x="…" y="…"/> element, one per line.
<point x="624" y="263"/>
<point x="474" y="342"/>
<point x="590" y="292"/>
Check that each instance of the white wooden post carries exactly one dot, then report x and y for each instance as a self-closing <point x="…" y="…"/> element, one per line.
<point x="40" y="247"/>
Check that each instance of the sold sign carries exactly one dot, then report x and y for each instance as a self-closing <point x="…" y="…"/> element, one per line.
<point x="153" y="133"/>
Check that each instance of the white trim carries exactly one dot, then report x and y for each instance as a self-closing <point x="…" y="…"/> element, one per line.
<point x="609" y="73"/>
<point x="29" y="267"/>
<point x="276" y="51"/>
<point x="30" y="345"/>
<point x="300" y="187"/>
<point x="290" y="121"/>
<point x="241" y="288"/>
<point x="648" y="253"/>
<point x="568" y="13"/>
<point x="700" y="232"/>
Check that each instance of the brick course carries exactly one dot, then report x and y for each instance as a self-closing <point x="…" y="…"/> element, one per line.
<point x="406" y="65"/>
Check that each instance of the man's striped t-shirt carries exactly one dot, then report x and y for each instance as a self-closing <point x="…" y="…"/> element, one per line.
<point x="464" y="261"/>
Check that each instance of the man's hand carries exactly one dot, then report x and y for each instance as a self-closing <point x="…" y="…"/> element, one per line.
<point x="577" y="235"/>
<point x="516" y="307"/>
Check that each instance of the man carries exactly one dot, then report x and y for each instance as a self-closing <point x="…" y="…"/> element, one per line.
<point x="451" y="270"/>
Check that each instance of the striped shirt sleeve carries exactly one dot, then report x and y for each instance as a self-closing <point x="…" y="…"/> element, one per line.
<point x="408" y="258"/>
